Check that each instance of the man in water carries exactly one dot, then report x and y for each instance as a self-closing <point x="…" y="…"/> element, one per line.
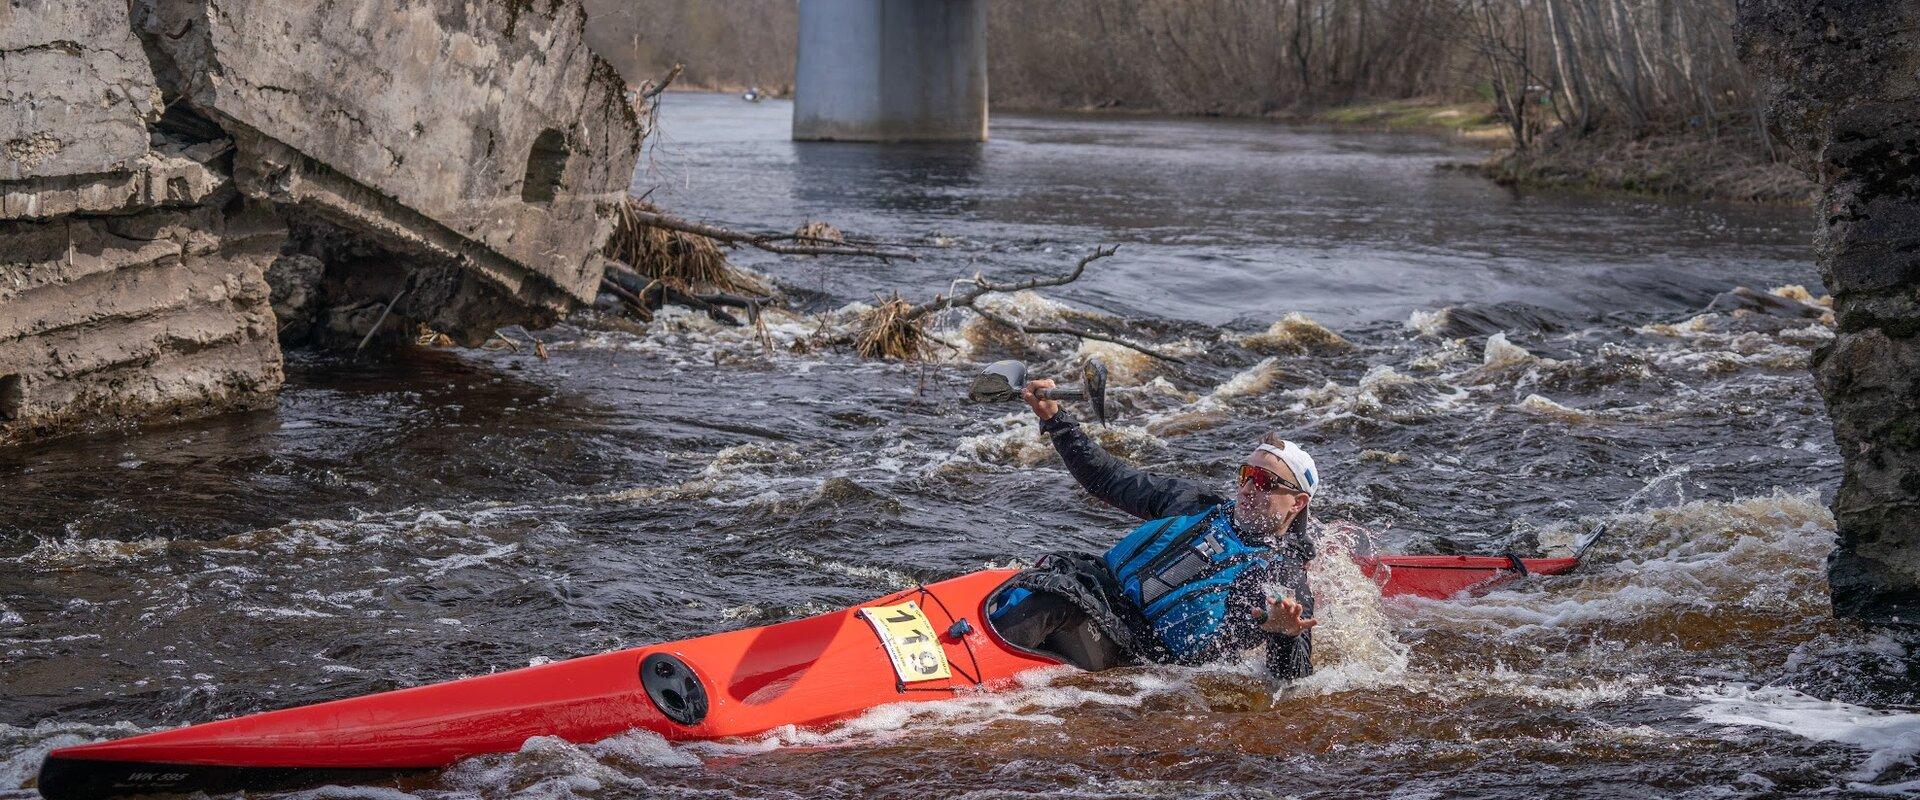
<point x="1207" y="576"/>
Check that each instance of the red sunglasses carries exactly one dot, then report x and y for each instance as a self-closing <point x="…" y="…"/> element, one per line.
<point x="1266" y="480"/>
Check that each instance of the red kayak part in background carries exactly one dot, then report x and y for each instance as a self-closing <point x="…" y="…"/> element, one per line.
<point x="1441" y="577"/>
<point x="806" y="672"/>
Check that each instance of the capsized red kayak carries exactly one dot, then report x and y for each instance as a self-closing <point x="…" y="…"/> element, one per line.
<point x="925" y="643"/>
<point x="1441" y="577"/>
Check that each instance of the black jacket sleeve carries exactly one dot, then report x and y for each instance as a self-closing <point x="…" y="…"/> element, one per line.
<point x="1120" y="484"/>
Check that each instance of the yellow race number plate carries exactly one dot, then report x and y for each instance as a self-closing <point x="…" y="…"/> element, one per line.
<point x="910" y="641"/>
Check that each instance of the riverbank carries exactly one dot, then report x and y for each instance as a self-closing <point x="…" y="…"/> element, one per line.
<point x="1699" y="166"/>
<point x="1470" y="122"/>
<point x="1726" y="166"/>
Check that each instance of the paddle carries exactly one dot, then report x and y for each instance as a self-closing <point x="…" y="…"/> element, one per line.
<point x="1002" y="381"/>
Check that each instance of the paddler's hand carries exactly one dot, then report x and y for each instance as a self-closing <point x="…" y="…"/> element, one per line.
<point x="1283" y="617"/>
<point x="1043" y="407"/>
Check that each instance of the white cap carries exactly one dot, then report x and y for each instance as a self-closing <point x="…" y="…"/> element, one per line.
<point x="1296" y="460"/>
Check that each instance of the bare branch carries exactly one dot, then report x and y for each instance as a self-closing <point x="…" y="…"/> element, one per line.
<point x="633" y="301"/>
<point x="1084" y="334"/>
<point x="984" y="287"/>
<point x="768" y="242"/>
<point x="653" y="90"/>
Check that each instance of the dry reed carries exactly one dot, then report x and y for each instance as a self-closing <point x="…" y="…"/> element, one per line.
<point x="890" y="330"/>
<point x="687" y="261"/>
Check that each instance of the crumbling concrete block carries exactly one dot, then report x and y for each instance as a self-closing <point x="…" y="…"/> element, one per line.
<point x="76" y="92"/>
<point x="130" y="275"/>
<point x="172" y="175"/>
<point x="482" y="134"/>
<point x="142" y="315"/>
<point x="453" y="162"/>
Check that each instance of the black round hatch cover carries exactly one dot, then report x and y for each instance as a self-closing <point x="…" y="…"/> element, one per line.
<point x="674" y="689"/>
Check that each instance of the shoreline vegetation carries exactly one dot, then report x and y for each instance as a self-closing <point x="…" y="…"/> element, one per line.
<point x="1638" y="96"/>
<point x="1690" y="165"/>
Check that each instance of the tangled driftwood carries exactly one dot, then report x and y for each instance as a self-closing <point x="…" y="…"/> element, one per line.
<point x="673" y="260"/>
<point x="897" y="330"/>
<point x="799" y="243"/>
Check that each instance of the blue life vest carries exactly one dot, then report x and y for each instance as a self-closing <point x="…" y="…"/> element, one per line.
<point x="1178" y="570"/>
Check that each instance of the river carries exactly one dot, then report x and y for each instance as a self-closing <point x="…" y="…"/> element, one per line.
<point x="1475" y="369"/>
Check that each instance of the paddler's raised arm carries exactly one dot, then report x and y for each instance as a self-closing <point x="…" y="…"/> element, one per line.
<point x="1110" y="479"/>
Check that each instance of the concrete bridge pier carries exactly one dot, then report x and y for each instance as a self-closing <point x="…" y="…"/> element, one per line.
<point x="891" y="71"/>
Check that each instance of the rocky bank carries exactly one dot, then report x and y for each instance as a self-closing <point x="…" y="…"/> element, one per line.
<point x="1842" y="81"/>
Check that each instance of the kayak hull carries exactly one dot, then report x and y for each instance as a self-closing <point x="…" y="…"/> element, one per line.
<point x="805" y="672"/>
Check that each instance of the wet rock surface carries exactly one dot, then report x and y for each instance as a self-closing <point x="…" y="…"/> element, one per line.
<point x="1843" y="86"/>
<point x="442" y="164"/>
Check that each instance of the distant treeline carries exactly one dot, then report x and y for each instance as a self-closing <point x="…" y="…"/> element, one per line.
<point x="1548" y="67"/>
<point x="1637" y="66"/>
<point x="726" y="44"/>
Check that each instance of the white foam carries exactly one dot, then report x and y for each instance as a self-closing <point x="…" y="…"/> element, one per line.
<point x="1016" y="441"/>
<point x="1125" y="365"/>
<point x="1293" y="333"/>
<point x="350" y="793"/>
<point x="1754" y="555"/>
<point x="1250" y="381"/>
<point x="551" y="767"/>
<point x="23" y="764"/>
<point x="1429" y="323"/>
<point x="1355" y="646"/>
<point x="1541" y="406"/>
<point x="1500" y="353"/>
<point x="1891" y="739"/>
<point x="1033" y="699"/>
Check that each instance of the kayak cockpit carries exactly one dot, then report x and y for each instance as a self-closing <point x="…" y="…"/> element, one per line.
<point x="1047" y="625"/>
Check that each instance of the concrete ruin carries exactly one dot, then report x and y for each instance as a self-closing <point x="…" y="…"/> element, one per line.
<point x="1842" y="82"/>
<point x="187" y="184"/>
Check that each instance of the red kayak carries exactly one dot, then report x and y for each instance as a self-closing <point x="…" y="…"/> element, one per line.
<point x="925" y="643"/>
<point x="1441" y="577"/>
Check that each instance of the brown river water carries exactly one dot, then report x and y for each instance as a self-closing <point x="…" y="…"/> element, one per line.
<point x="1475" y="369"/>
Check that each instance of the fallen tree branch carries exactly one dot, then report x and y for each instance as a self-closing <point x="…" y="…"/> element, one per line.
<point x="651" y="90"/>
<point x="983" y="287"/>
<point x="772" y="243"/>
<point x="634" y="301"/>
<point x="655" y="293"/>
<point x="1084" y="334"/>
<point x="750" y="304"/>
<point x="897" y="330"/>
<point x="774" y="238"/>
